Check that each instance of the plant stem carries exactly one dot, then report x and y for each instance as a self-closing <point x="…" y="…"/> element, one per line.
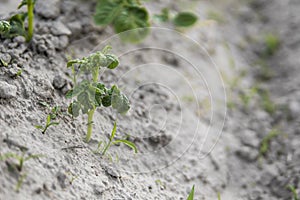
<point x="90" y="125"/>
<point x="106" y="148"/>
<point x="30" y="6"/>
<point x="91" y="112"/>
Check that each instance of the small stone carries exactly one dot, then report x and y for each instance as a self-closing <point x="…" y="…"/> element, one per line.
<point x="63" y="42"/>
<point x="61" y="178"/>
<point x="19" y="39"/>
<point x="58" y="82"/>
<point x="247" y="154"/>
<point x="294" y="107"/>
<point x="75" y="27"/>
<point x="58" y="28"/>
<point x="249" y="138"/>
<point x="113" y="172"/>
<point x="51" y="9"/>
<point x="171" y="60"/>
<point x="7" y="91"/>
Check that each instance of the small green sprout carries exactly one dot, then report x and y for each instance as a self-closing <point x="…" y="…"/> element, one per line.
<point x="92" y="94"/>
<point x="17" y="165"/>
<point x="272" y="44"/>
<point x="15" y="25"/>
<point x="191" y="195"/>
<point x="294" y="191"/>
<point x="164" y="16"/>
<point x="111" y="142"/>
<point x="264" y="145"/>
<point x="50" y="117"/>
<point x="267" y="103"/>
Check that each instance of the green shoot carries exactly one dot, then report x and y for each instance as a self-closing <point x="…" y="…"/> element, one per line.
<point x="219" y="196"/>
<point x="124" y="15"/>
<point x="267" y="103"/>
<point x="264" y="145"/>
<point x="50" y="117"/>
<point x="191" y="195"/>
<point x="164" y="16"/>
<point x="17" y="165"/>
<point x="294" y="191"/>
<point x="91" y="94"/>
<point x="272" y="44"/>
<point x="111" y="142"/>
<point x="15" y="25"/>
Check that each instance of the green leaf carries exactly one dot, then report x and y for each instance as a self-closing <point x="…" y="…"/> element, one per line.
<point x="191" y="195"/>
<point x="113" y="132"/>
<point x="54" y="124"/>
<point x="119" y="101"/>
<point x="107" y="11"/>
<point x="132" y="18"/>
<point x="4" y="27"/>
<point x="39" y="127"/>
<point x="17" y="25"/>
<point x="35" y="156"/>
<point x="48" y="119"/>
<point x="112" y="61"/>
<point x="128" y="143"/>
<point x="23" y="3"/>
<point x="185" y="19"/>
<point x="74" y="109"/>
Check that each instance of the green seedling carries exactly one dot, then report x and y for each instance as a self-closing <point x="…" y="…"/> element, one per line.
<point x="246" y="97"/>
<point x="181" y="19"/>
<point x="50" y="117"/>
<point x="272" y="44"/>
<point x="191" y="195"/>
<point x="91" y="94"/>
<point x="15" y="25"/>
<point x="294" y="191"/>
<point x="112" y="141"/>
<point x="124" y="15"/>
<point x="219" y="196"/>
<point x="266" y="102"/>
<point x="264" y="145"/>
<point x="17" y="165"/>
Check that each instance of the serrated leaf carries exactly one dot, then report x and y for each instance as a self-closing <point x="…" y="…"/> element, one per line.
<point x="17" y="25"/>
<point x="185" y="19"/>
<point x="128" y="143"/>
<point x="191" y="195"/>
<point x="4" y="27"/>
<point x="107" y="11"/>
<point x="135" y="19"/>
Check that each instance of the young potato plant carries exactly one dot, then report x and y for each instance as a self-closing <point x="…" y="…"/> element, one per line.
<point x="15" y="25"/>
<point x="16" y="166"/>
<point x="91" y="94"/>
<point x="124" y="15"/>
<point x="50" y="117"/>
<point x="106" y="145"/>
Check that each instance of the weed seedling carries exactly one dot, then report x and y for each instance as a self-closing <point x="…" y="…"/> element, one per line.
<point x="112" y="141"/>
<point x="272" y="44"/>
<point x="91" y="94"/>
<point x="50" y="117"/>
<point x="294" y="191"/>
<point x="15" y="25"/>
<point x="264" y="145"/>
<point x="266" y="102"/>
<point x="191" y="195"/>
<point x="17" y="165"/>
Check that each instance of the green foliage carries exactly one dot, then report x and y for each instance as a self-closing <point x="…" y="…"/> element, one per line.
<point x="185" y="19"/>
<point x="294" y="191"/>
<point x="92" y="94"/>
<point x="164" y="16"/>
<point x="267" y="103"/>
<point x="124" y="15"/>
<point x="50" y="117"/>
<point x="272" y="44"/>
<point x="191" y="195"/>
<point x="264" y="145"/>
<point x="15" y="25"/>
<point x="112" y="141"/>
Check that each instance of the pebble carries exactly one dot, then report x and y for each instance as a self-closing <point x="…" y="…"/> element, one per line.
<point x="247" y="153"/>
<point x="58" y="82"/>
<point x="249" y="138"/>
<point x="58" y="28"/>
<point x="50" y="9"/>
<point x="19" y="39"/>
<point x="294" y="107"/>
<point x="7" y="91"/>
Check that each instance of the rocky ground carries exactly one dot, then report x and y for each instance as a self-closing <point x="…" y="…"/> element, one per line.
<point x="217" y="108"/>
